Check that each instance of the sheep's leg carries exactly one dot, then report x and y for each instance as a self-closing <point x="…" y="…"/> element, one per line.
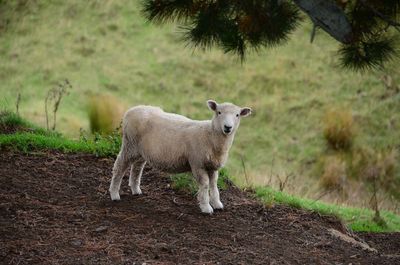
<point x="120" y="166"/>
<point x="202" y="195"/>
<point x="214" y="192"/>
<point x="135" y="176"/>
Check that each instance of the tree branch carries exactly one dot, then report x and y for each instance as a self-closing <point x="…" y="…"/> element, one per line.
<point x="313" y="31"/>
<point x="328" y="16"/>
<point x="390" y="22"/>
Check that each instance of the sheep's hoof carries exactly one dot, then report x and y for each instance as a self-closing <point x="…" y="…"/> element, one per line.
<point x="136" y="191"/>
<point x="115" y="196"/>
<point x="217" y="205"/>
<point x="206" y="208"/>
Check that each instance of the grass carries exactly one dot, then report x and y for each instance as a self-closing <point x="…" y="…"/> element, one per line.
<point x="39" y="139"/>
<point x="185" y="181"/>
<point x="13" y="121"/>
<point x="108" y="48"/>
<point x="27" y="141"/>
<point x="358" y="219"/>
<point x="30" y="137"/>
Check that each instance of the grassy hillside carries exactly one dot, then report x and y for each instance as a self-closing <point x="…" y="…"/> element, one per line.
<point x="107" y="47"/>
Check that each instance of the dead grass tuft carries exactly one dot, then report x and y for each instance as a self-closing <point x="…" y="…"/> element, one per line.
<point x="382" y="166"/>
<point x="334" y="173"/>
<point x="339" y="129"/>
<point x="105" y="113"/>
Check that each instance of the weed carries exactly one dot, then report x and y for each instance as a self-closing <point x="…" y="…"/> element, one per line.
<point x="17" y="102"/>
<point x="374" y="173"/>
<point x="284" y="180"/>
<point x="55" y="95"/>
<point x="245" y="171"/>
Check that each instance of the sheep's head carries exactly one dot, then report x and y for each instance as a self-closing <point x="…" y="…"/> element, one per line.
<point x="227" y="116"/>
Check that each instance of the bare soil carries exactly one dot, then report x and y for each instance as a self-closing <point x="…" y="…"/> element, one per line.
<point x="55" y="209"/>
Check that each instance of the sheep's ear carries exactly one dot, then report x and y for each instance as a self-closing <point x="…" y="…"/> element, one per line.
<point x="212" y="105"/>
<point x="244" y="112"/>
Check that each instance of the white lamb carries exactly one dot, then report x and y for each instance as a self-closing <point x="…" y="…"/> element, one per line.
<point x="176" y="144"/>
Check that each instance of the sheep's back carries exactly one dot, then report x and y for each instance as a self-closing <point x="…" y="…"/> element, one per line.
<point x="162" y="138"/>
<point x="143" y="120"/>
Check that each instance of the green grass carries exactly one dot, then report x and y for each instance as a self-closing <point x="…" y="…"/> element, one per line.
<point x="39" y="139"/>
<point x="30" y="137"/>
<point x="185" y="181"/>
<point x="27" y="141"/>
<point x="10" y="119"/>
<point x="108" y="48"/>
<point x="358" y="219"/>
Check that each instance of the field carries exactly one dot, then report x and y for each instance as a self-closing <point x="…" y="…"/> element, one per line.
<point x="108" y="48"/>
<point x="55" y="208"/>
<point x="22" y="139"/>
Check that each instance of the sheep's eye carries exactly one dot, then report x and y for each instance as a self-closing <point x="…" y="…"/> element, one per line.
<point x="219" y="112"/>
<point x="237" y="115"/>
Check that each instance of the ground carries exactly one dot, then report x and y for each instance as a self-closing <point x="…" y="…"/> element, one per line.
<point x="55" y="209"/>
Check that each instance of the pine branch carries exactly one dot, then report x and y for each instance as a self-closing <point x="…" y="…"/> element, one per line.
<point x="237" y="26"/>
<point x="390" y="22"/>
<point x="367" y="54"/>
<point x="162" y="11"/>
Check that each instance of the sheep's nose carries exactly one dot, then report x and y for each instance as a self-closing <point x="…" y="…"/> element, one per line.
<point x="227" y="128"/>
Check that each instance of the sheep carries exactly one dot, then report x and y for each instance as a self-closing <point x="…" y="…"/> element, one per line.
<point x="175" y="144"/>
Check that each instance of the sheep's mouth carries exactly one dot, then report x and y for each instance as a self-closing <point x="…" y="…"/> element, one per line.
<point x="227" y="132"/>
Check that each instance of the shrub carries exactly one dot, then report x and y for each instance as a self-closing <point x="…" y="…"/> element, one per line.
<point x="105" y="113"/>
<point x="339" y="129"/>
<point x="388" y="163"/>
<point x="334" y="173"/>
<point x="382" y="168"/>
<point x="377" y="166"/>
<point x="360" y="158"/>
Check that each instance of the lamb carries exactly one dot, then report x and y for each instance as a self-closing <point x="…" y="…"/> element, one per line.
<point x="176" y="144"/>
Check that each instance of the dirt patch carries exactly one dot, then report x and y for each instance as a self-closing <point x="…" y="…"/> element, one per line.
<point x="387" y="243"/>
<point x="54" y="208"/>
